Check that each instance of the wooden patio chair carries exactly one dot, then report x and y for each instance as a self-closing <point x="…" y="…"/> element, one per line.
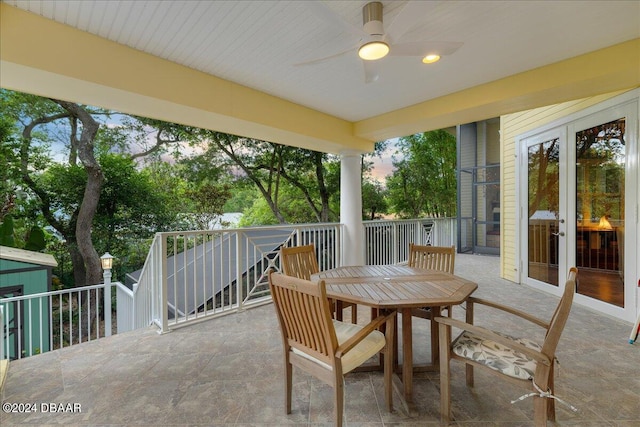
<point x="322" y="347"/>
<point x="301" y="262"/>
<point x="518" y="360"/>
<point x="440" y="258"/>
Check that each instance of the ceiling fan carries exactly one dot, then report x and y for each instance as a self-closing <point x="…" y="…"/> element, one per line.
<point x="374" y="43"/>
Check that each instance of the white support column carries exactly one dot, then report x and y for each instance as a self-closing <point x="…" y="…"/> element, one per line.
<point x="351" y="209"/>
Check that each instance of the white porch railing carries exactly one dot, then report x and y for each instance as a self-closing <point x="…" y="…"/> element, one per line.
<point x="387" y="242"/>
<point x="193" y="275"/>
<point x="197" y="274"/>
<point x="33" y="324"/>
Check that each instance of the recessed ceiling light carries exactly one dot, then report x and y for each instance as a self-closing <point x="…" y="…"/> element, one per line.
<point x="430" y="59"/>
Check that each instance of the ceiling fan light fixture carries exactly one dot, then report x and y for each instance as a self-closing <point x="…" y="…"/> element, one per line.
<point x="431" y="58"/>
<point x="373" y="50"/>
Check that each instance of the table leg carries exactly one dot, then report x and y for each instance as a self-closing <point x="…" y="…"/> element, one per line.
<point x="339" y="308"/>
<point x="407" y="355"/>
<point x="435" y="336"/>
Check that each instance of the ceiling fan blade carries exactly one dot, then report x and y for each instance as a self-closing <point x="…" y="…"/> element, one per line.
<point x="337" y="24"/>
<point x="424" y="48"/>
<point x="325" y="58"/>
<point x="326" y="13"/>
<point x="409" y="17"/>
<point x="371" y="71"/>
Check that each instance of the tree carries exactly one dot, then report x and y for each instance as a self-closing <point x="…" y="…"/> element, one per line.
<point x="34" y="115"/>
<point x="424" y="180"/>
<point x="67" y="191"/>
<point x="133" y="206"/>
<point x="208" y="200"/>
<point x="374" y="203"/>
<point x="271" y="167"/>
<point x="242" y="197"/>
<point x="374" y="195"/>
<point x="9" y="175"/>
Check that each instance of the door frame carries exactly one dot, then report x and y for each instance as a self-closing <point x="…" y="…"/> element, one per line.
<point x="17" y="309"/>
<point x="523" y="220"/>
<point x="629" y="110"/>
<point x="626" y="104"/>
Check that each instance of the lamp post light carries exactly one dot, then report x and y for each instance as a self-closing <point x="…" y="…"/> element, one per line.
<point x="107" y="263"/>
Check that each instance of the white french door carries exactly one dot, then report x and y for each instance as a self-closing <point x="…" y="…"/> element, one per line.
<point x="543" y="210"/>
<point x="578" y="207"/>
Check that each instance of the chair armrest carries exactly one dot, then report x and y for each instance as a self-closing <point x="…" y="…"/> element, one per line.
<point x="362" y="333"/>
<point x="509" y="310"/>
<point x="486" y="333"/>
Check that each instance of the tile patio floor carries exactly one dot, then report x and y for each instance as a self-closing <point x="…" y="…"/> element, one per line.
<point x="228" y="371"/>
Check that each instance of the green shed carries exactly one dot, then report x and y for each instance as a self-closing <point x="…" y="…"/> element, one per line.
<point x="26" y="323"/>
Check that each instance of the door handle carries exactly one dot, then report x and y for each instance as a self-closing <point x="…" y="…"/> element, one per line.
<point x="561" y="234"/>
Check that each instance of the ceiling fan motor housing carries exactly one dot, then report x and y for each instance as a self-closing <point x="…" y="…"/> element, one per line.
<point x="372" y="18"/>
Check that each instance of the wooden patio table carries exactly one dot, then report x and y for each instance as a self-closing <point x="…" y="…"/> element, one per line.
<point x="401" y="288"/>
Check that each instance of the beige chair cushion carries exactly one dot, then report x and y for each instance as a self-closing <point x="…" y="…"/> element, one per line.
<point x="496" y="356"/>
<point x="365" y="349"/>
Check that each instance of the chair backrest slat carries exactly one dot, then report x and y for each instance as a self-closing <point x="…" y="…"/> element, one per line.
<point x="441" y="258"/>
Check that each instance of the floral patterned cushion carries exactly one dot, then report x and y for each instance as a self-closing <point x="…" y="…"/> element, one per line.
<point x="496" y="356"/>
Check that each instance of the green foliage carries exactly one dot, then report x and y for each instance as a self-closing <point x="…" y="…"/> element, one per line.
<point x="6" y="232"/>
<point x="424" y="180"/>
<point x="274" y="170"/>
<point x="258" y="214"/>
<point x="208" y="199"/>
<point x="242" y="197"/>
<point x="291" y="204"/>
<point x="133" y="206"/>
<point x="8" y="170"/>
<point x="33" y="241"/>
<point x="374" y="203"/>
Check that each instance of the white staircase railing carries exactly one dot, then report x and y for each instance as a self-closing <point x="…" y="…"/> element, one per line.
<point x="196" y="274"/>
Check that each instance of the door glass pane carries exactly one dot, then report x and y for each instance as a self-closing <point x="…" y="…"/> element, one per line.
<point x="543" y="185"/>
<point x="600" y="171"/>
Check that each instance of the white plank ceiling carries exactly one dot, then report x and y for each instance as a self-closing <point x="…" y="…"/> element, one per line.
<point x="261" y="44"/>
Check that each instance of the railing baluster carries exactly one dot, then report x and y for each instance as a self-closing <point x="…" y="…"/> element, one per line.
<point x="239" y="259"/>
<point x="50" y="299"/>
<point x="41" y="328"/>
<point x="3" y="333"/>
<point x="30" y="334"/>
<point x="18" y="323"/>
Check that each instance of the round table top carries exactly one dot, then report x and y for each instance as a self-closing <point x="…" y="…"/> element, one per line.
<point x="395" y="286"/>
